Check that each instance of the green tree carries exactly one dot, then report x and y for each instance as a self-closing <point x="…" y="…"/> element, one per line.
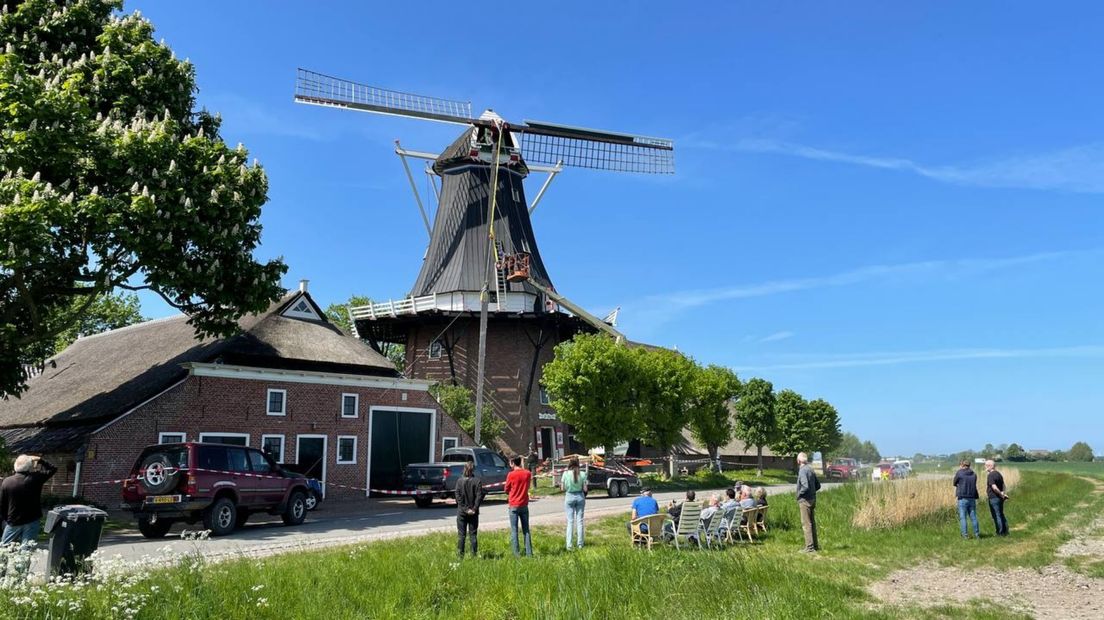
<point x="1080" y="452"/>
<point x="664" y="394"/>
<point x="110" y="178"/>
<point x="456" y="401"/>
<point x="849" y="445"/>
<point x="826" y="435"/>
<point x="1015" y="453"/>
<point x="797" y="429"/>
<point x="591" y="380"/>
<point x="711" y="424"/>
<point x="988" y="451"/>
<point x="870" y="453"/>
<point x="755" y="417"/>
<point x="338" y="314"/>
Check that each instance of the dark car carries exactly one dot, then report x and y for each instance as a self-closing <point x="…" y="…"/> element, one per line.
<point x="217" y="484"/>
<point x="438" y="480"/>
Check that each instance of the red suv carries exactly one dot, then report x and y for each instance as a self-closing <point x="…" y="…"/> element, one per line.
<point x="218" y="484"/>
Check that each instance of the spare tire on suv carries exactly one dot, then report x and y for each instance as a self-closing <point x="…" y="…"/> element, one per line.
<point x="158" y="474"/>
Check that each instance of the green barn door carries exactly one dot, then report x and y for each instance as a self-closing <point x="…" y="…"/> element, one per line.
<point x="399" y="438"/>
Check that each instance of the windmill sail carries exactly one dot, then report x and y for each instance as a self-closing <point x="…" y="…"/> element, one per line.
<point x="320" y="89"/>
<point x="547" y="143"/>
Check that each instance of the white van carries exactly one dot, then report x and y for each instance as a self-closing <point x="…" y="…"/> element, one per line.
<point x="907" y="463"/>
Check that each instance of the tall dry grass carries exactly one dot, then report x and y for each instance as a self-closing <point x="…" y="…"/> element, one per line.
<point x="894" y="503"/>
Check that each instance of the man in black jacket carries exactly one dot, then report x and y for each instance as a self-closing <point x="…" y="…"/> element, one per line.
<point x="21" y="499"/>
<point x="965" y="483"/>
<point x="994" y="491"/>
<point x="469" y="495"/>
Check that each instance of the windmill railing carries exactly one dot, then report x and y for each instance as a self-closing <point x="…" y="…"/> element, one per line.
<point x="460" y="301"/>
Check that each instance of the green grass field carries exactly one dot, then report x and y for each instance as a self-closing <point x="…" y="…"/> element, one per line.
<point x="422" y="578"/>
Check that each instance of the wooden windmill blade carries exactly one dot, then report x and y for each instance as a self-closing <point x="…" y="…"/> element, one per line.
<point x="549" y="143"/>
<point x="320" y="89"/>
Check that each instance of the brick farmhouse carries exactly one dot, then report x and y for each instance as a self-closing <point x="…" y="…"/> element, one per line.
<point x="290" y="382"/>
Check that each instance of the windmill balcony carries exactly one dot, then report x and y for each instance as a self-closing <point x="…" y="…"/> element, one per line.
<point x="459" y="301"/>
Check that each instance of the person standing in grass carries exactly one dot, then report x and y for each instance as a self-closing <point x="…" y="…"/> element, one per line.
<point x="807" y="487"/>
<point x="517" y="493"/>
<point x="994" y="491"/>
<point x="965" y="483"/>
<point x="469" y="495"/>
<point x="574" y="485"/>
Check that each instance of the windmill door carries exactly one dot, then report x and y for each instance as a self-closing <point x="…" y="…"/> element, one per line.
<point x="398" y="438"/>
<point x="546" y="443"/>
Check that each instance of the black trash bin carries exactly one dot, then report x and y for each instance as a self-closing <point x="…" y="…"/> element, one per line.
<point x="74" y="534"/>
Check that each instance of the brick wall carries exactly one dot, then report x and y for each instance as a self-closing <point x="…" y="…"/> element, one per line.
<point x="510" y="352"/>
<point x="225" y="405"/>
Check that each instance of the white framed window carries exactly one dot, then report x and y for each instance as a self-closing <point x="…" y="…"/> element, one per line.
<point x="236" y="439"/>
<point x="544" y="400"/>
<point x="346" y="449"/>
<point x="350" y="405"/>
<point x="449" y="442"/>
<point x="277" y="402"/>
<point x="274" y="446"/>
<point x="171" y="438"/>
<point x="435" y="349"/>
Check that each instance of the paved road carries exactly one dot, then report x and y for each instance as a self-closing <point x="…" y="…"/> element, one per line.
<point x="347" y="523"/>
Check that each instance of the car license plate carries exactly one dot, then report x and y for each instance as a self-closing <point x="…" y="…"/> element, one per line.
<point x="163" y="499"/>
<point x="425" y="487"/>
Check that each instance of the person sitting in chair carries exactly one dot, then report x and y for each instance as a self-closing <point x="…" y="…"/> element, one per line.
<point x="710" y="510"/>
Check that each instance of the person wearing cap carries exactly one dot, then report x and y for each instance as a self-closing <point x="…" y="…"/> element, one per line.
<point x="643" y="506"/>
<point x="21" y="499"/>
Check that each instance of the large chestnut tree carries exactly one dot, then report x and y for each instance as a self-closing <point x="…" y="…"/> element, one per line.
<point x="111" y="178"/>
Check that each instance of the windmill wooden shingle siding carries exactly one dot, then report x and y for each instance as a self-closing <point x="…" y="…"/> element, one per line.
<point x="524" y="316"/>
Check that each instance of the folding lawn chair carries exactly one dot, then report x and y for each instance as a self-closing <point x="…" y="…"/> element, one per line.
<point x="710" y="530"/>
<point x="761" y="522"/>
<point x="747" y="522"/>
<point x="728" y="527"/>
<point x="688" y="524"/>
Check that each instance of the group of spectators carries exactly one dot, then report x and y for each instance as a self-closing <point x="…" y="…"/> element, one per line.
<point x="739" y="496"/>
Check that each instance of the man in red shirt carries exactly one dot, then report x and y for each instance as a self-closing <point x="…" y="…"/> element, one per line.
<point x="517" y="492"/>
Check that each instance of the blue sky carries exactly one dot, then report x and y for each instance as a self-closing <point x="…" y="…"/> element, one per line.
<point x="895" y="207"/>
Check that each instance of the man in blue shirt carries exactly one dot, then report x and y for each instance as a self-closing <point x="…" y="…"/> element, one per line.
<point x="644" y="506"/>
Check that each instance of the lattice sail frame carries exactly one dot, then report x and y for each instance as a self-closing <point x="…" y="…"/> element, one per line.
<point x="541" y="142"/>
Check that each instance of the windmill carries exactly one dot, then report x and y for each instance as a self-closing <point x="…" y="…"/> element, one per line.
<point x="482" y="250"/>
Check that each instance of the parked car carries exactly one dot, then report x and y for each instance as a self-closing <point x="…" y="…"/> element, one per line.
<point x="899" y="471"/>
<point x="907" y="464"/>
<point x="844" y="469"/>
<point x="439" y="479"/>
<point x="882" y="471"/>
<point x="314" y="497"/>
<point x="219" y="485"/>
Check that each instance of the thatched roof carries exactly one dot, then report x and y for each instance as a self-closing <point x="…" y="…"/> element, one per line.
<point x="102" y="376"/>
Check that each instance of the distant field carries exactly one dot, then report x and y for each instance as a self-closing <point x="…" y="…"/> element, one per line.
<point x="1096" y="468"/>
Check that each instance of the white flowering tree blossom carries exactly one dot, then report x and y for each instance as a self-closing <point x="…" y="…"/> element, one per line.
<point x="111" y="178"/>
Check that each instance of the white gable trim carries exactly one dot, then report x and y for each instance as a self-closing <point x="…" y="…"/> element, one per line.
<point x="301" y="308"/>
<point x="227" y="371"/>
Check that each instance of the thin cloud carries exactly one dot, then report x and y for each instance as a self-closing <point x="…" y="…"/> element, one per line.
<point x="853" y="360"/>
<point x="1075" y="169"/>
<point x="655" y="310"/>
<point x="776" y="336"/>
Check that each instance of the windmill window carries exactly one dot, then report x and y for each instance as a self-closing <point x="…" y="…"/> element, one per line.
<point x="302" y="306"/>
<point x="435" y="349"/>
<point x="544" y="400"/>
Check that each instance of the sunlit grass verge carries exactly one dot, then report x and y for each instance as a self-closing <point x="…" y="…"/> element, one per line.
<point x="422" y="578"/>
<point x="890" y="504"/>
